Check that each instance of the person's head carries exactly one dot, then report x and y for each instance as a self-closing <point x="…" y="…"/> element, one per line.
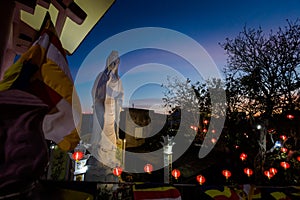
<point x="112" y="61"/>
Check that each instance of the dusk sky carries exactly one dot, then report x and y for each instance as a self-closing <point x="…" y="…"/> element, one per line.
<point x="143" y="70"/>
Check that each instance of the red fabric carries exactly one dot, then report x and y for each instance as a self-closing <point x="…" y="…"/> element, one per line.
<point x="170" y="193"/>
<point x="45" y="93"/>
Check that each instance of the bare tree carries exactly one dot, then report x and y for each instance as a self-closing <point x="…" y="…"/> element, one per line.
<point x="262" y="76"/>
<point x="263" y="70"/>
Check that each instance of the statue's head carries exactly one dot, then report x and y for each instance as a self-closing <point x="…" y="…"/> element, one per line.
<point x="112" y="62"/>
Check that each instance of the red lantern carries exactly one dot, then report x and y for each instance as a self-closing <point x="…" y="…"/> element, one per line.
<point x="226" y="173"/>
<point x="268" y="174"/>
<point x="273" y="170"/>
<point x="243" y="156"/>
<point x="213" y="140"/>
<point x="194" y="127"/>
<point x="77" y="155"/>
<point x="200" y="179"/>
<point x="283" y="137"/>
<point x="248" y="171"/>
<point x="204" y="130"/>
<point x="148" y="168"/>
<point x="176" y="173"/>
<point x="289" y="116"/>
<point x="213" y="131"/>
<point x="298" y="158"/>
<point x="205" y="121"/>
<point x="117" y="171"/>
<point x="284" y="150"/>
<point x="285" y="165"/>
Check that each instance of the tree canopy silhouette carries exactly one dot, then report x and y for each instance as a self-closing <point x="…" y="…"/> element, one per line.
<point x="262" y="72"/>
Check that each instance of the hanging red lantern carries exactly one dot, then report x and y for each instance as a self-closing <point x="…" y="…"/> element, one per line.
<point x="195" y="128"/>
<point x="268" y="174"/>
<point x="176" y="173"/>
<point x="289" y="116"/>
<point x="243" y="156"/>
<point x="298" y="158"/>
<point x="213" y="140"/>
<point x="200" y="179"/>
<point x="283" y="150"/>
<point x="77" y="155"/>
<point x="148" y="168"/>
<point x="248" y="171"/>
<point x="283" y="137"/>
<point x="273" y="170"/>
<point x="204" y="130"/>
<point x="226" y="173"/>
<point x="213" y="131"/>
<point x="205" y="121"/>
<point x="285" y="165"/>
<point x="117" y="171"/>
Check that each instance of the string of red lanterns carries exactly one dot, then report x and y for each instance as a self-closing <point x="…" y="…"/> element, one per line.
<point x="148" y="168"/>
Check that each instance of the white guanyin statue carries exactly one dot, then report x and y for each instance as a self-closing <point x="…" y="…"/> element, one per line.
<point x="107" y="96"/>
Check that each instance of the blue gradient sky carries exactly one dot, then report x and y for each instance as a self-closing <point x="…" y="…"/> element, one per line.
<point x="207" y="22"/>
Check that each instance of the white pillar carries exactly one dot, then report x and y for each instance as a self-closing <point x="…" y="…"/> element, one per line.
<point x="168" y="145"/>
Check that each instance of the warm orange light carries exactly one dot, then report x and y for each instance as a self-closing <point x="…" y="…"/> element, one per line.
<point x="176" y="173"/>
<point x="226" y="173"/>
<point x="298" y="158"/>
<point x="273" y="170"/>
<point x="117" y="171"/>
<point x="77" y="155"/>
<point x="248" y="171"/>
<point x="213" y="131"/>
<point x="243" y="156"/>
<point x="268" y="174"/>
<point x="148" y="168"/>
<point x="204" y="130"/>
<point x="285" y="165"/>
<point x="200" y="179"/>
